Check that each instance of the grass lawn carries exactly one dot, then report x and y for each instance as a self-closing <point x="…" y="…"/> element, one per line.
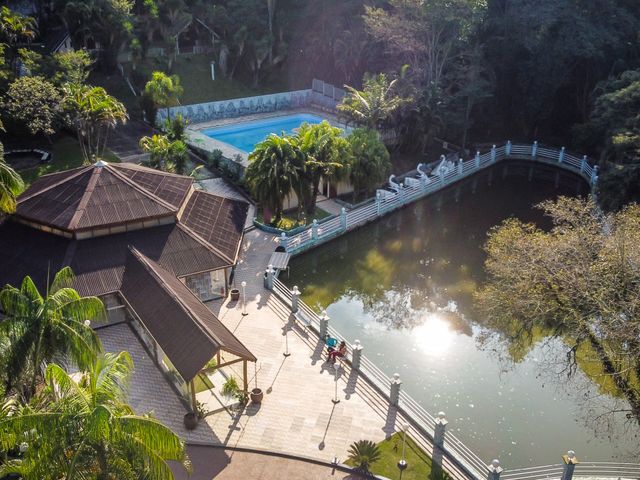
<point x="195" y="77"/>
<point x="289" y="219"/>
<point x="66" y="154"/>
<point x="419" y="463"/>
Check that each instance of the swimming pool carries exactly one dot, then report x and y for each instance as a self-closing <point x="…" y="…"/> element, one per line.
<point x="245" y="135"/>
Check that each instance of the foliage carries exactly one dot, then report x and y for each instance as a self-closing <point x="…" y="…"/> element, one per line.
<point x="164" y="90"/>
<point x="82" y="428"/>
<point x="327" y="158"/>
<point x="230" y="387"/>
<point x="149" y="108"/>
<point x="91" y="112"/>
<point x="176" y="127"/>
<point x="276" y="167"/>
<point x="374" y="104"/>
<point x="72" y="66"/>
<point x="39" y="328"/>
<point x="370" y="163"/>
<point x="34" y="102"/>
<point x="11" y="185"/>
<point x="165" y="154"/>
<point x="363" y="454"/>
<point x="579" y="280"/>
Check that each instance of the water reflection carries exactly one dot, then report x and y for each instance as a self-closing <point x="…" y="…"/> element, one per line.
<point x="391" y="285"/>
<point x="434" y="336"/>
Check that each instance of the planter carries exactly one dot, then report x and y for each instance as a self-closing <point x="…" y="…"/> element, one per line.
<point x="235" y="294"/>
<point x="256" y="395"/>
<point x="190" y="420"/>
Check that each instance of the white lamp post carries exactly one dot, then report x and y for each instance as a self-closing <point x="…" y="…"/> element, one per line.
<point x="286" y="342"/>
<point x="402" y="464"/>
<point x="335" y="398"/>
<point x="244" y="298"/>
<point x="87" y="323"/>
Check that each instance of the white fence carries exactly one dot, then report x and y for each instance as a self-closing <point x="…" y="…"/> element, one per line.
<point x="458" y="460"/>
<point x="413" y="190"/>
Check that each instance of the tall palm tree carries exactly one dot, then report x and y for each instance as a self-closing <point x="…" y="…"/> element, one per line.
<point x="165" y="90"/>
<point x="374" y="104"/>
<point x="39" y="329"/>
<point x="327" y="154"/>
<point x="276" y="167"/>
<point x="83" y="428"/>
<point x="11" y="185"/>
<point x="92" y="112"/>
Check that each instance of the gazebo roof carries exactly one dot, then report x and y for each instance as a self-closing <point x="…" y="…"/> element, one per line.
<point x="186" y="330"/>
<point x="102" y="195"/>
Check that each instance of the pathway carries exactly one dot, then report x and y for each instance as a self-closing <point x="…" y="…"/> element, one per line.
<point x="328" y="205"/>
<point x="211" y="462"/>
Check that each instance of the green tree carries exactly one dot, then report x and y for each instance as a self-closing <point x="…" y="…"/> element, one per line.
<point x="276" y="168"/>
<point x="165" y="154"/>
<point x="370" y="161"/>
<point x="39" y="329"/>
<point x="34" y="102"/>
<point x="92" y="113"/>
<point x="165" y="90"/>
<point x="13" y="28"/>
<point x="363" y="454"/>
<point x="327" y="155"/>
<point x="578" y="281"/>
<point x="72" y="66"/>
<point x="11" y="185"/>
<point x="374" y="104"/>
<point x="83" y="428"/>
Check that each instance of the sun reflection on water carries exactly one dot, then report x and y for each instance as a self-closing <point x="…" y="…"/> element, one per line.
<point x="434" y="336"/>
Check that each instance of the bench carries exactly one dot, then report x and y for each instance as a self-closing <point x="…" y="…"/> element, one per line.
<point x="303" y="319"/>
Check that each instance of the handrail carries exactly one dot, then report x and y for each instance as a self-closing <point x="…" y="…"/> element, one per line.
<point x="376" y="207"/>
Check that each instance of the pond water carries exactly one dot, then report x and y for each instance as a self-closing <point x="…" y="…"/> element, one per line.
<point x="403" y="286"/>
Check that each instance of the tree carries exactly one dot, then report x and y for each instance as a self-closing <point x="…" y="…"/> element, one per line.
<point x="578" y="281"/>
<point x="363" y="453"/>
<point x="36" y="103"/>
<point x="72" y="66"/>
<point x="276" y="167"/>
<point x="165" y="154"/>
<point x="15" y="27"/>
<point x="11" y="185"/>
<point x="327" y="155"/>
<point x="374" y="104"/>
<point x="425" y="34"/>
<point x="164" y="90"/>
<point x="39" y="329"/>
<point x="92" y="113"/>
<point x="370" y="163"/>
<point x="83" y="428"/>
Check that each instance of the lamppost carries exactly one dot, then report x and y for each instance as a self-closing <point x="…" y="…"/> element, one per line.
<point x="244" y="298"/>
<point x="402" y="464"/>
<point x="87" y="323"/>
<point x="286" y="341"/>
<point x="335" y="398"/>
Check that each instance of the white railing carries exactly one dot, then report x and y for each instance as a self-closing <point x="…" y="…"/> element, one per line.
<point x="457" y="456"/>
<point x="320" y="233"/>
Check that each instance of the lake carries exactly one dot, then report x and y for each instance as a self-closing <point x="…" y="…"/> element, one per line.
<point x="404" y="287"/>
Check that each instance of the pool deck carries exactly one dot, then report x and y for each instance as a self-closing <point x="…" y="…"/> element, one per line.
<point x="201" y="141"/>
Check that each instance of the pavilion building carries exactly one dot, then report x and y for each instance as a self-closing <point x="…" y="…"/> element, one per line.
<point x="143" y="240"/>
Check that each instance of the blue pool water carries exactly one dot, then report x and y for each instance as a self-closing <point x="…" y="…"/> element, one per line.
<point x="245" y="135"/>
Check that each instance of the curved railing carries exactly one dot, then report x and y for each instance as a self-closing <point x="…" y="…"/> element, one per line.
<point x="458" y="457"/>
<point x="318" y="233"/>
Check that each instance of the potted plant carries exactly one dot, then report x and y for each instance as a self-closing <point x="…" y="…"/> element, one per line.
<point x="190" y="420"/>
<point x="235" y="294"/>
<point x="256" y="393"/>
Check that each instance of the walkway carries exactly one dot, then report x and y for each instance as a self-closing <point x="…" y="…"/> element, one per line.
<point x="328" y="205"/>
<point x="209" y="463"/>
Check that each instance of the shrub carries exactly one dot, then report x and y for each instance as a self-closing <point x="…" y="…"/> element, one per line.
<point x="363" y="453"/>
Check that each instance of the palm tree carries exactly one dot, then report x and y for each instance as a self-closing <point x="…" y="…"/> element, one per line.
<point x="11" y="185"/>
<point x="92" y="112"/>
<point x="38" y="329"/>
<point x="83" y="428"/>
<point x="165" y="90"/>
<point x="363" y="453"/>
<point x="370" y="163"/>
<point x="374" y="104"/>
<point x="164" y="154"/>
<point x="276" y="167"/>
<point x="327" y="157"/>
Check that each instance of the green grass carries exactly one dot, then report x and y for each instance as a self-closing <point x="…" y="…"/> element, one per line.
<point x="201" y="383"/>
<point x="289" y="219"/>
<point x="195" y="77"/>
<point x="66" y="155"/>
<point x="419" y="463"/>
